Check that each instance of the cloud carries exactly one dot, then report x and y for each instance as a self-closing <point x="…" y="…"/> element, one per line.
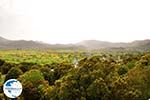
<point x="13" y="25"/>
<point x="70" y="21"/>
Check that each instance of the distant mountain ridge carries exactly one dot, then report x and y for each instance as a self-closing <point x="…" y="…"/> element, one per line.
<point x="3" y="40"/>
<point x="95" y="44"/>
<point x="86" y="44"/>
<point x="24" y="44"/>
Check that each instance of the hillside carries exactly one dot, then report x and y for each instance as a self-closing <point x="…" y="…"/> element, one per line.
<point x="20" y="44"/>
<point x="23" y="44"/>
<point x="94" y="44"/>
<point x="87" y="44"/>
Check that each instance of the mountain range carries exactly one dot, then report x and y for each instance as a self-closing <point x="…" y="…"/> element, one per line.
<point x="85" y="45"/>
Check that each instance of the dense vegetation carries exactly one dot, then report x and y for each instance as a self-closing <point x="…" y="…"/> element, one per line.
<point x="67" y="75"/>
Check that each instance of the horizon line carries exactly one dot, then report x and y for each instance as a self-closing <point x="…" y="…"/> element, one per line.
<point x="41" y="41"/>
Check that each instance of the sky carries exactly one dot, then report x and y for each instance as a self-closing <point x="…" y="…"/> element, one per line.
<point x="71" y="21"/>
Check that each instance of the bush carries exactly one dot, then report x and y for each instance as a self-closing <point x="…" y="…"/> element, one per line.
<point x="25" y="66"/>
<point x="1" y="62"/>
<point x="32" y="82"/>
<point x="13" y="73"/>
<point x="122" y="70"/>
<point x="98" y="90"/>
<point x="61" y="69"/>
<point x="49" y="75"/>
<point x="1" y="96"/>
<point x="6" y="67"/>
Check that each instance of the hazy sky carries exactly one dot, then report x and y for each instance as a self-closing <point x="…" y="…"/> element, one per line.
<point x="65" y="21"/>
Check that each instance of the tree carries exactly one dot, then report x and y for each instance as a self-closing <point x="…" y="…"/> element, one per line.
<point x="25" y="66"/>
<point x="6" y="67"/>
<point x="1" y="62"/>
<point x="49" y="75"/>
<point x="122" y="70"/>
<point x="33" y="83"/>
<point x="13" y="73"/>
<point x="98" y="90"/>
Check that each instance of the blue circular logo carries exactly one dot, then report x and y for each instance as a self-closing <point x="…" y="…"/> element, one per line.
<point x="12" y="88"/>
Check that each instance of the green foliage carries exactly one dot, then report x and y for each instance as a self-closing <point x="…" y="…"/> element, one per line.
<point x="61" y="69"/>
<point x="131" y="64"/>
<point x="13" y="73"/>
<point x="32" y="82"/>
<point x="6" y="67"/>
<point x="52" y="75"/>
<point x="25" y="66"/>
<point x="98" y="90"/>
<point x="67" y="88"/>
<point x="50" y="93"/>
<point x="139" y="78"/>
<point x="33" y="76"/>
<point x="1" y="62"/>
<point x="121" y="90"/>
<point x="1" y="96"/>
<point x="122" y="70"/>
<point x="48" y="74"/>
<point x="40" y="57"/>
<point x="1" y="82"/>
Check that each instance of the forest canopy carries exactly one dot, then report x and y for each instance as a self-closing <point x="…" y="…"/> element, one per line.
<point x="97" y="76"/>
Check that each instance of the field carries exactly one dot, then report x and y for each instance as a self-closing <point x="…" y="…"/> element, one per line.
<point x="77" y="75"/>
<point x="39" y="57"/>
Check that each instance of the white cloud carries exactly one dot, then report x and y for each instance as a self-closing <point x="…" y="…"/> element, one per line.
<point x="63" y="21"/>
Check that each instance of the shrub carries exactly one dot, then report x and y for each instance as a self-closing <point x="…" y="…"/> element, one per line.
<point x="13" y="73"/>
<point x="48" y="74"/>
<point x="6" y="67"/>
<point x="122" y="70"/>
<point x="25" y="66"/>
<point x="1" y="62"/>
<point x="32" y="82"/>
